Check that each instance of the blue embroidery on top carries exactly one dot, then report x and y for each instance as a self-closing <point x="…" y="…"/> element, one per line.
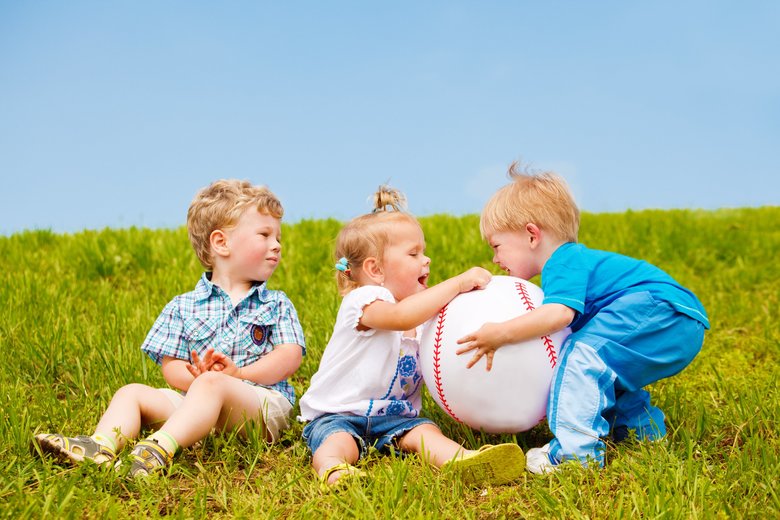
<point x="407" y="365"/>
<point x="396" y="408"/>
<point x="389" y="390"/>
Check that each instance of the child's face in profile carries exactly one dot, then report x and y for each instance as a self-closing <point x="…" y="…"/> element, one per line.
<point x="255" y="246"/>
<point x="404" y="264"/>
<point x="513" y="253"/>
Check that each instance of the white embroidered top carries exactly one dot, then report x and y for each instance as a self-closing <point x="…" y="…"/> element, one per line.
<point x="367" y="373"/>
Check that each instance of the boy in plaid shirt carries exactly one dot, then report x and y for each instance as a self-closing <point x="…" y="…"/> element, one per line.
<point x="227" y="347"/>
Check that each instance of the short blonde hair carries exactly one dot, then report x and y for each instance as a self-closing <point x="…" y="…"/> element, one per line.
<point x="219" y="206"/>
<point x="368" y="235"/>
<point x="541" y="198"/>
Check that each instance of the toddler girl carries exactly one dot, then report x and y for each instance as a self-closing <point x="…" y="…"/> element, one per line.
<point x="367" y="389"/>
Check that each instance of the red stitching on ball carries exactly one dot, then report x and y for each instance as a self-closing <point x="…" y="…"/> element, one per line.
<point x="437" y="363"/>
<point x="550" y="348"/>
<point x="521" y="290"/>
<point x="529" y="306"/>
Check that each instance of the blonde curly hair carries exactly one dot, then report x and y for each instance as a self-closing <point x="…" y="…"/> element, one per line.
<point x="219" y="206"/>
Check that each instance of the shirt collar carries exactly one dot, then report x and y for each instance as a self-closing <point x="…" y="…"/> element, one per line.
<point x="258" y="289"/>
<point x="205" y="288"/>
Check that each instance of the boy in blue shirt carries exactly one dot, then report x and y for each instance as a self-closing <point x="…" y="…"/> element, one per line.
<point x="631" y="323"/>
<point x="227" y="347"/>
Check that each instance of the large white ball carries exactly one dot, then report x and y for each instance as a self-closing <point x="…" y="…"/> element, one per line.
<point x="512" y="397"/>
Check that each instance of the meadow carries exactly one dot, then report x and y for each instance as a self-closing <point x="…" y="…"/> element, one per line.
<point x="76" y="307"/>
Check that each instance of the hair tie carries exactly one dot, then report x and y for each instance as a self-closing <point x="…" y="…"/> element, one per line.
<point x="343" y="266"/>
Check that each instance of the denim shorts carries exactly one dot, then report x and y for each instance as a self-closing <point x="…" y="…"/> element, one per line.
<point x="379" y="432"/>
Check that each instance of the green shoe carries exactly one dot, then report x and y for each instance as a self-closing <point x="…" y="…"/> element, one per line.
<point x="74" y="449"/>
<point x="148" y="456"/>
<point x="490" y="464"/>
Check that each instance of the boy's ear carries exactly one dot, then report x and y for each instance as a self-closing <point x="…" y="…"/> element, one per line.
<point x="218" y="242"/>
<point x="534" y="233"/>
<point x="373" y="270"/>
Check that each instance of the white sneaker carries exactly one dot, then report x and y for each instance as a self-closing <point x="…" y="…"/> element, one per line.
<point x="537" y="460"/>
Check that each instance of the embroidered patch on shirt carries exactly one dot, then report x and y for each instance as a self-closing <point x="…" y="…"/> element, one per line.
<point x="260" y="334"/>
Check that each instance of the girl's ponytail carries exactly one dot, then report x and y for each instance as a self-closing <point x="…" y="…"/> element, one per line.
<point x="367" y="235"/>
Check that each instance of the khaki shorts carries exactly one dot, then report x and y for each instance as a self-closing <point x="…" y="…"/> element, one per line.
<point x="276" y="408"/>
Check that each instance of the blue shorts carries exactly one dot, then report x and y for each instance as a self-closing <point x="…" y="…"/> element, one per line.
<point x="379" y="432"/>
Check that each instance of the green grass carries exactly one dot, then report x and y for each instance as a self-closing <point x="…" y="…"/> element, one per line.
<point x="77" y="307"/>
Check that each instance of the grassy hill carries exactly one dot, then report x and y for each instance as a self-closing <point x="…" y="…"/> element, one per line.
<point x="75" y="309"/>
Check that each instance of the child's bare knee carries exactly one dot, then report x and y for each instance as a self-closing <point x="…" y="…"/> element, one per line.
<point x="210" y="382"/>
<point x="414" y="439"/>
<point x="132" y="390"/>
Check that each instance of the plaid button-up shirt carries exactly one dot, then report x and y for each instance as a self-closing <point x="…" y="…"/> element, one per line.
<point x="206" y="317"/>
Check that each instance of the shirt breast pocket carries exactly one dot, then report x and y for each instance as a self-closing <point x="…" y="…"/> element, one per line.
<point x="258" y="338"/>
<point x="200" y="334"/>
<point x="256" y="335"/>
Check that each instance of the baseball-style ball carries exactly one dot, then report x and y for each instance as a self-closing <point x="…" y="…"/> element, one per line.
<point x="512" y="396"/>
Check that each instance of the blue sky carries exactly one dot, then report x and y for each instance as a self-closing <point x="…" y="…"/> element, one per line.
<point x="116" y="113"/>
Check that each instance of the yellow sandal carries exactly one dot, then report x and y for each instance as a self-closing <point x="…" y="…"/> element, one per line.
<point x="350" y="472"/>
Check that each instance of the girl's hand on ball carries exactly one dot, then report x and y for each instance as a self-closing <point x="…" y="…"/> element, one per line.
<point x="474" y="278"/>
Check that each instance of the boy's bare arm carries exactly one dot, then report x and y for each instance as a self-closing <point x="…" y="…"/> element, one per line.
<point x="418" y="308"/>
<point x="541" y="321"/>
<point x="176" y="373"/>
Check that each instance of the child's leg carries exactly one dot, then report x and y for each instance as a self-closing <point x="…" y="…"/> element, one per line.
<point x="213" y="400"/>
<point x="582" y="388"/>
<point x="490" y="464"/>
<point x="339" y="448"/>
<point x="432" y="444"/>
<point x="336" y="441"/>
<point x="633" y="411"/>
<point x="132" y="407"/>
<point x="663" y="348"/>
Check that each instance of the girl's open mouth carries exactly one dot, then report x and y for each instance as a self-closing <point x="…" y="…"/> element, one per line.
<point x="423" y="280"/>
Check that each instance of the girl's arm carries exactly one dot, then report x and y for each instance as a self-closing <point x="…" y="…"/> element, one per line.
<point x="277" y="365"/>
<point x="543" y="320"/>
<point x="420" y="307"/>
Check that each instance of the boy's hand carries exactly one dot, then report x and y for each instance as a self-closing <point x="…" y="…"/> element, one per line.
<point x="227" y="365"/>
<point x="485" y="341"/>
<point x="199" y="366"/>
<point x="474" y="278"/>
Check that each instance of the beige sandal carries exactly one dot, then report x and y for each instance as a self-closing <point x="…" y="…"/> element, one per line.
<point x="74" y="449"/>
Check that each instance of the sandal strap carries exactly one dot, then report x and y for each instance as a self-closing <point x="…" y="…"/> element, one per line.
<point x="351" y="471"/>
<point x="147" y="456"/>
<point x="349" y="468"/>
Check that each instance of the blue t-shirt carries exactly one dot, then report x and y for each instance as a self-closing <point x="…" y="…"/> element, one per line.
<point x="587" y="280"/>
